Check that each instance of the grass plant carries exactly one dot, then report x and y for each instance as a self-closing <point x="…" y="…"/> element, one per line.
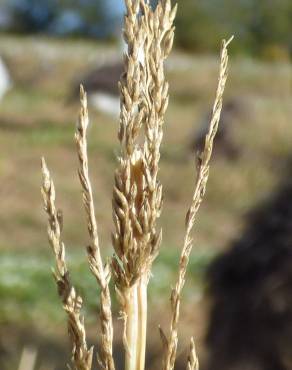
<point x="137" y="199"/>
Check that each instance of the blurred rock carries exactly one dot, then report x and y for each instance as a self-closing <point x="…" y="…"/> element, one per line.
<point x="250" y="287"/>
<point x="101" y="85"/>
<point x="233" y="110"/>
<point x="5" y="80"/>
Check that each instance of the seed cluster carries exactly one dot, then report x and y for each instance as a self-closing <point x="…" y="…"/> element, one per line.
<point x="72" y="302"/>
<point x="137" y="198"/>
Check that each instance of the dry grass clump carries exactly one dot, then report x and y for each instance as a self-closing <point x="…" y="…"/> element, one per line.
<point x="137" y="198"/>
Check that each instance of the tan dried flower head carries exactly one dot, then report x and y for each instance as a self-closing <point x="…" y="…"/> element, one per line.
<point x="137" y="198"/>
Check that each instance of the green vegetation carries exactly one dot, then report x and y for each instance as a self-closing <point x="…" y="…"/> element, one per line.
<point x="28" y="293"/>
<point x="261" y="28"/>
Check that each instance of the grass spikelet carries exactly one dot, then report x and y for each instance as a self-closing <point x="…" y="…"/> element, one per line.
<point x="101" y="273"/>
<point x="137" y="198"/>
<point x="193" y="362"/>
<point x="72" y="302"/>
<point x="203" y="164"/>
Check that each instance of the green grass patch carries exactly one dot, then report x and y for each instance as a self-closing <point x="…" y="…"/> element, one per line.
<point x="28" y="292"/>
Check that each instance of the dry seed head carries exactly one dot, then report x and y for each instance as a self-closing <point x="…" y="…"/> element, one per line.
<point x="137" y="196"/>
<point x="100" y="272"/>
<point x="200" y="188"/>
<point x="81" y="355"/>
<point x="193" y="362"/>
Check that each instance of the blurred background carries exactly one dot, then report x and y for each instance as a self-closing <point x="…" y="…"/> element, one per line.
<point x="238" y="298"/>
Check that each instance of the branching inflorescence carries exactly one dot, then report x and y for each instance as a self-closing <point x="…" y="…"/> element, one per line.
<point x="81" y="355"/>
<point x="137" y="198"/>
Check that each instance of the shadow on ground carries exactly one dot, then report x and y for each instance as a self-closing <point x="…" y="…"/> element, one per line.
<point x="250" y="287"/>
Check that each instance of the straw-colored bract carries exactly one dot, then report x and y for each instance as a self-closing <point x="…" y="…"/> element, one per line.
<point x="137" y="198"/>
<point x="72" y="302"/>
